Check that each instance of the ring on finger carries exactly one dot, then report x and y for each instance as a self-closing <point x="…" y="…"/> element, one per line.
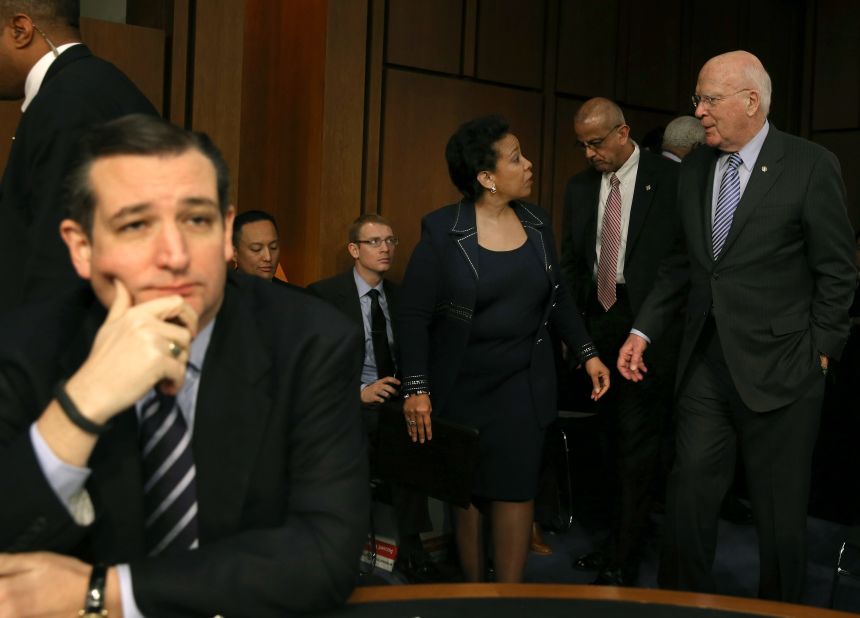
<point x="412" y="422"/>
<point x="174" y="348"/>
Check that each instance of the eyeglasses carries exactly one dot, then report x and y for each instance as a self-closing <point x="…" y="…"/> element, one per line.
<point x="594" y="144"/>
<point x="391" y="241"/>
<point x="50" y="43"/>
<point x="711" y="101"/>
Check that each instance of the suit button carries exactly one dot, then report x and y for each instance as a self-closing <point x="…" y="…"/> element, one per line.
<point x="539" y="340"/>
<point x="557" y="285"/>
<point x="549" y="267"/>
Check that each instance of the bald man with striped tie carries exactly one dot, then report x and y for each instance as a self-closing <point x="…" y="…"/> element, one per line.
<point x="174" y="440"/>
<point x="769" y="265"/>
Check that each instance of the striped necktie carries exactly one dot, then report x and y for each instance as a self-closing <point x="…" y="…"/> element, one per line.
<point x="610" y="242"/>
<point x="170" y="493"/>
<point x="727" y="202"/>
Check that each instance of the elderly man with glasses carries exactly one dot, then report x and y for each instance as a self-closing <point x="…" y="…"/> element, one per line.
<point x="770" y="273"/>
<point x="65" y="90"/>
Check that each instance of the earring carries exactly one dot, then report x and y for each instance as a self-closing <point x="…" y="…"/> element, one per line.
<point x="493" y="189"/>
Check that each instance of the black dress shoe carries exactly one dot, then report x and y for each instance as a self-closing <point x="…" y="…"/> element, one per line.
<point x="420" y="570"/>
<point x="592" y="561"/>
<point x="614" y="576"/>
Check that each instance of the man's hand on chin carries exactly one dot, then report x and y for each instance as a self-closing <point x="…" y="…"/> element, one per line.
<point x="50" y="586"/>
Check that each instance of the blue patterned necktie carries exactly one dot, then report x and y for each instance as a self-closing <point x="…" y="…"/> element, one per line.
<point x="170" y="492"/>
<point x="727" y="202"/>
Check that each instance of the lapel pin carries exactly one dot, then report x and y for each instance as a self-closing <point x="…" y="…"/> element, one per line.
<point x="764" y="168"/>
<point x="647" y="187"/>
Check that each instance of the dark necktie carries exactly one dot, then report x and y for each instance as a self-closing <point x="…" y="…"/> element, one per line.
<point x="610" y="242"/>
<point x="170" y="492"/>
<point x="379" y="335"/>
<point x="727" y="203"/>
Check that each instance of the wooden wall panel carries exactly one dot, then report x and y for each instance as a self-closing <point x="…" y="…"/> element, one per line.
<point x="716" y="31"/>
<point x="652" y="54"/>
<point x="217" y="78"/>
<point x="425" y="34"/>
<point x="567" y="160"/>
<point x="510" y="42"/>
<point x="343" y="134"/>
<point x="587" y="43"/>
<point x="784" y="63"/>
<point x="421" y="113"/>
<point x="844" y="145"/>
<point x="139" y="52"/>
<point x="836" y="93"/>
<point x="282" y="100"/>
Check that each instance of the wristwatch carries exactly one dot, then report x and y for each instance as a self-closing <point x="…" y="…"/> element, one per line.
<point x="94" y="603"/>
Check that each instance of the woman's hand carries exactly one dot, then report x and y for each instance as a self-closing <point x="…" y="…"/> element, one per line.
<point x="599" y="375"/>
<point x="417" y="410"/>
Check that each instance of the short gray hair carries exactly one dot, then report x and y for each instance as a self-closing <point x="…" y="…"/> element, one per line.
<point x="683" y="132"/>
<point x="756" y="74"/>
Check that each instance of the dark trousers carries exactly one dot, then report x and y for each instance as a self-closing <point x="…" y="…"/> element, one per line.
<point x="632" y="416"/>
<point x="411" y="512"/>
<point x="776" y="447"/>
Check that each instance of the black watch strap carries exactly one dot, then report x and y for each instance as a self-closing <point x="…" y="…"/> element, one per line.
<point x="71" y="410"/>
<point x="94" y="604"/>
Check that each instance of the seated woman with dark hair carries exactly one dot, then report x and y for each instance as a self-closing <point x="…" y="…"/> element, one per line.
<point x="481" y="291"/>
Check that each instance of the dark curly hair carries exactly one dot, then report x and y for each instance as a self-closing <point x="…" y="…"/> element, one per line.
<point x="470" y="151"/>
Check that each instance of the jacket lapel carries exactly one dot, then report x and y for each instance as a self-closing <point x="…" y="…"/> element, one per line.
<point x="643" y="196"/>
<point x="534" y="230"/>
<point x="766" y="170"/>
<point x="465" y="234"/>
<point x="233" y="406"/>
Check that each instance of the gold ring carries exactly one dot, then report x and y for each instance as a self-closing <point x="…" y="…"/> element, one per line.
<point x="174" y="348"/>
<point x="412" y="423"/>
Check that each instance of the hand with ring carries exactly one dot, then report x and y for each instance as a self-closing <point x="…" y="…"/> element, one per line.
<point x="417" y="410"/>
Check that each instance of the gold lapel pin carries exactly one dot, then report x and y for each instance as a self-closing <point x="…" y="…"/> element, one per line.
<point x="764" y="168"/>
<point x="647" y="187"/>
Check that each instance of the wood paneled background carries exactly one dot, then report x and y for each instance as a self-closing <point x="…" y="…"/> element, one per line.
<point x="329" y="108"/>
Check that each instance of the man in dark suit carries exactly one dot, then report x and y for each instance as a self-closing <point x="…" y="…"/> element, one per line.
<point x="65" y="89"/>
<point x="769" y="264"/>
<point x="619" y="222"/>
<point x="192" y="435"/>
<point x="372" y="245"/>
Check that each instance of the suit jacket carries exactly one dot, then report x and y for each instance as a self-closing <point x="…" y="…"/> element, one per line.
<point x="279" y="452"/>
<point x="779" y="292"/>
<point x="438" y="300"/>
<point x="79" y="90"/>
<point x="654" y="224"/>
<point x="342" y="292"/>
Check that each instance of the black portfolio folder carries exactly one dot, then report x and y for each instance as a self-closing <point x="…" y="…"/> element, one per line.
<point x="443" y="467"/>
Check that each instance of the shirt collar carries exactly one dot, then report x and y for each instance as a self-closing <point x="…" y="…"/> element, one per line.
<point x="37" y="74"/>
<point x="749" y="153"/>
<point x="199" y="346"/>
<point x="363" y="286"/>
<point x="625" y="171"/>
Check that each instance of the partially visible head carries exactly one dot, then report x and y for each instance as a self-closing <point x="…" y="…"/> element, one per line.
<point x="147" y="205"/>
<point x="372" y="245"/>
<point x="28" y="30"/>
<point x="603" y="134"/>
<point x="255" y="243"/>
<point x="732" y="99"/>
<point x="682" y="135"/>
<point x="484" y="156"/>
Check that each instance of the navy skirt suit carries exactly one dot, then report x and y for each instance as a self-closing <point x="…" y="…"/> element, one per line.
<point x="474" y="331"/>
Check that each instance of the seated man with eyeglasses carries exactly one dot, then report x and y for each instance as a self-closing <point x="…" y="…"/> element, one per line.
<point x="364" y="295"/>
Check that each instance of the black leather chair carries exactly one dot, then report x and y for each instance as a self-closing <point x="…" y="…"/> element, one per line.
<point x="848" y="561"/>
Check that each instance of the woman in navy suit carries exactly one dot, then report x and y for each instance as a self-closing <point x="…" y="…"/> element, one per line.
<point x="480" y="294"/>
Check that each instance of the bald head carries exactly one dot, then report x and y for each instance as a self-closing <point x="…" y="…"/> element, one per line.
<point x="603" y="134"/>
<point x="599" y="111"/>
<point x="734" y="99"/>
